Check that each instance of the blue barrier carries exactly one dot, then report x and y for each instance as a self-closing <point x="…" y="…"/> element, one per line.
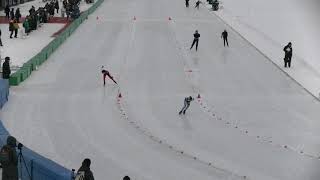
<point x="4" y="91"/>
<point x="39" y="167"/>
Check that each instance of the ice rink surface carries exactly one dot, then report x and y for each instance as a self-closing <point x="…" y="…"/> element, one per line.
<point x="248" y="110"/>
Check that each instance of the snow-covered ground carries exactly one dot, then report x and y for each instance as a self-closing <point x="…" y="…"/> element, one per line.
<point x="270" y="25"/>
<point x="21" y="49"/>
<point x="251" y="120"/>
<point x="24" y="8"/>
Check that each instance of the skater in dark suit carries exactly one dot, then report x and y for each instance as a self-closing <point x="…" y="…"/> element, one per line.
<point x="288" y="55"/>
<point x="224" y="36"/>
<point x="186" y="105"/>
<point x="196" y="36"/>
<point x="106" y="73"/>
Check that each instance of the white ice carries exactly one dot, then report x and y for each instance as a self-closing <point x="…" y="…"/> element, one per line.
<point x="270" y="25"/>
<point x="63" y="112"/>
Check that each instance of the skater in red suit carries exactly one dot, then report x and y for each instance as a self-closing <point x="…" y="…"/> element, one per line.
<point x="105" y="74"/>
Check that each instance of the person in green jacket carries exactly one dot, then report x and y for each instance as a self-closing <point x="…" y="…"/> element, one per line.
<point x="26" y="25"/>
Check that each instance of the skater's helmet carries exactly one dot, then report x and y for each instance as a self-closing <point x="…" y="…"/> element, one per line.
<point x="289" y="43"/>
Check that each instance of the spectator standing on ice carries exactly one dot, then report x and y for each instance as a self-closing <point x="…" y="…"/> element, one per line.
<point x="9" y="160"/>
<point x="224" y="36"/>
<point x="196" y="36"/>
<point x="12" y="14"/>
<point x="187" y="3"/>
<point x="18" y="15"/>
<point x="198" y="4"/>
<point x="7" y="11"/>
<point x="186" y="105"/>
<point x="288" y="55"/>
<point x="84" y="172"/>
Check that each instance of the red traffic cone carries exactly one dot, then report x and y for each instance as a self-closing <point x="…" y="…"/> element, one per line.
<point x="199" y="96"/>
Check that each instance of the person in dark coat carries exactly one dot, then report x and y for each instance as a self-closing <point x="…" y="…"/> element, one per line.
<point x="10" y="167"/>
<point x="56" y="6"/>
<point x="187" y="3"/>
<point x="18" y="15"/>
<point x="6" y="71"/>
<point x="196" y="36"/>
<point x="224" y="35"/>
<point x="288" y="55"/>
<point x="88" y="175"/>
<point x="7" y="11"/>
<point x="12" y="13"/>
<point x="126" y="178"/>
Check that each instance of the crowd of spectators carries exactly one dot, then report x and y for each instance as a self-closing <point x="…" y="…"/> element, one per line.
<point x="70" y="9"/>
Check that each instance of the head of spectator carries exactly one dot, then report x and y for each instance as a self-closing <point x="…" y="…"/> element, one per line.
<point x="126" y="178"/>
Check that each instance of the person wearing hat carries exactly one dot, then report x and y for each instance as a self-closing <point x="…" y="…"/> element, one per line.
<point x="288" y="55"/>
<point x="6" y="71"/>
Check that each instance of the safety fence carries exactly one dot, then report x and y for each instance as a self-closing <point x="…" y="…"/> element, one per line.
<point x="25" y="71"/>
